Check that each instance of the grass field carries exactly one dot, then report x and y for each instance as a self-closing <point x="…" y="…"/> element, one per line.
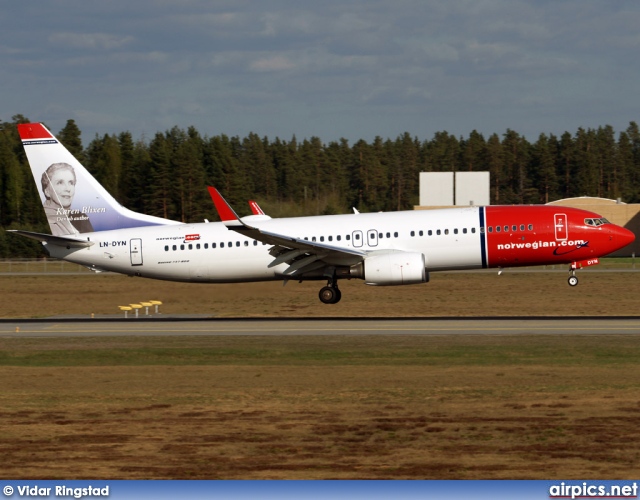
<point x="457" y="294"/>
<point x="419" y="407"/>
<point x="374" y="407"/>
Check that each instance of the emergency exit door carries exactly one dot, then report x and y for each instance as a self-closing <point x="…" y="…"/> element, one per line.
<point x="561" y="226"/>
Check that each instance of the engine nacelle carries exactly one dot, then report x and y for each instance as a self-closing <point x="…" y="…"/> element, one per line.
<point x="395" y="268"/>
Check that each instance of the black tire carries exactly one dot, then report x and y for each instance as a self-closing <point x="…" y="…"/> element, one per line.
<point x="329" y="295"/>
<point x="573" y="280"/>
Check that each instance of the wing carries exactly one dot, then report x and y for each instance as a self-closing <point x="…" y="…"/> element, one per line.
<point x="301" y="255"/>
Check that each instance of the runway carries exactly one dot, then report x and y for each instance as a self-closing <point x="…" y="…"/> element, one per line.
<point x="336" y="326"/>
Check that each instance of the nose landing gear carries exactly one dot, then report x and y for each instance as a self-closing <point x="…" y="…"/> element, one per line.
<point x="573" y="279"/>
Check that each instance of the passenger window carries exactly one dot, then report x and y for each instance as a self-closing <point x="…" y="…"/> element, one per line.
<point x="395" y="235"/>
<point x="388" y="235"/>
<point x="498" y="229"/>
<point x="429" y="232"/>
<point x="206" y="246"/>
<point x="313" y="238"/>
<point x="348" y="237"/>
<point x="181" y="247"/>
<point x="446" y="231"/>
<point x="521" y="227"/>
<point x="530" y="227"/>
<point x="338" y="237"/>
<point x="412" y="233"/>
<point x="421" y="233"/>
<point x="222" y="244"/>
<point x="174" y="247"/>
<point x="473" y="230"/>
<point x="321" y="238"/>
<point x="438" y="232"/>
<point x="464" y="230"/>
<point x="255" y="243"/>
<point x="358" y="236"/>
<point x="514" y="228"/>
<point x="166" y="248"/>
<point x="330" y="238"/>
<point x="213" y="245"/>
<point x="506" y="229"/>
<point x="237" y="243"/>
<point x="246" y="243"/>
<point x="380" y="236"/>
<point x="190" y="246"/>
<point x="455" y="231"/>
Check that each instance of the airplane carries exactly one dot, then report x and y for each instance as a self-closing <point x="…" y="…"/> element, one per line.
<point x="89" y="227"/>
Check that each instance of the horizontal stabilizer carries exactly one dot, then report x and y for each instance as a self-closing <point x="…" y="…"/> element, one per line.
<point x="61" y="241"/>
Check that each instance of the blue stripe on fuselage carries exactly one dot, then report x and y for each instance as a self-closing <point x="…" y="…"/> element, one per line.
<point x="483" y="243"/>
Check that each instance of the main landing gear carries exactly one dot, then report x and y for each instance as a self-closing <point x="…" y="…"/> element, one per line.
<point x="330" y="294"/>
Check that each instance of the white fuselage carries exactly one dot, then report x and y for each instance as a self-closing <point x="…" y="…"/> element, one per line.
<point x="210" y="252"/>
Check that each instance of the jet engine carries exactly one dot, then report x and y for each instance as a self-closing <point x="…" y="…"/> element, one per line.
<point x="395" y="268"/>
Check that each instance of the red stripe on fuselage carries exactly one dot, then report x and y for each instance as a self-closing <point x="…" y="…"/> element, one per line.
<point x="536" y="235"/>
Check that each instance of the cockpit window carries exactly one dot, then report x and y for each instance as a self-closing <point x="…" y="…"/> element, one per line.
<point x="596" y="222"/>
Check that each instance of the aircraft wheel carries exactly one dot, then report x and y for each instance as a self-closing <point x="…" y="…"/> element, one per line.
<point x="329" y="295"/>
<point x="573" y="280"/>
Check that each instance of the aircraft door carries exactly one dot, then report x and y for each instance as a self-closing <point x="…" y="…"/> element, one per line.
<point x="561" y="227"/>
<point x="357" y="238"/>
<point x="372" y="237"/>
<point x="135" y="249"/>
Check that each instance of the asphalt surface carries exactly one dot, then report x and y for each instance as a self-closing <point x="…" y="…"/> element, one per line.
<point x="79" y="327"/>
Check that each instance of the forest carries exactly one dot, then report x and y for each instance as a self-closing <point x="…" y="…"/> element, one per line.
<point x="167" y="175"/>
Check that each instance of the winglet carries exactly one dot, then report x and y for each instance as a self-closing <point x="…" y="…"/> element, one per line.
<point x="226" y="213"/>
<point x="255" y="208"/>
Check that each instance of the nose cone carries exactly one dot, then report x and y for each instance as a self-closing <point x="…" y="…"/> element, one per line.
<point x="623" y="237"/>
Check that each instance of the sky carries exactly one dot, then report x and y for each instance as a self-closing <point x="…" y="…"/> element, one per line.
<point x="353" y="69"/>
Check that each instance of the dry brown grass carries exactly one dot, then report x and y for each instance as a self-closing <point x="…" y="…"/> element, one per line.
<point x="544" y="418"/>
<point x="465" y="294"/>
<point x="539" y="419"/>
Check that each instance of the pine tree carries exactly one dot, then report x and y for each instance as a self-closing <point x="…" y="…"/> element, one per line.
<point x="543" y="167"/>
<point x="495" y="163"/>
<point x="158" y="198"/>
<point x="69" y="136"/>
